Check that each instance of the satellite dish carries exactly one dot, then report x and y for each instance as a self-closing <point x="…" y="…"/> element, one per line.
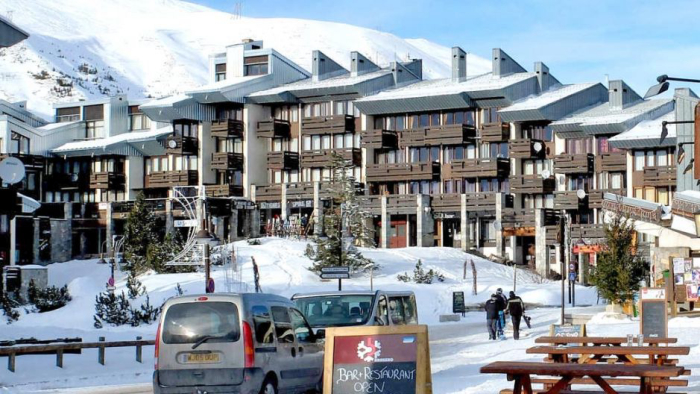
<point x="537" y="146"/>
<point x="12" y="170"/>
<point x="172" y="144"/>
<point x="581" y="194"/>
<point x="497" y="225"/>
<point x="545" y="174"/>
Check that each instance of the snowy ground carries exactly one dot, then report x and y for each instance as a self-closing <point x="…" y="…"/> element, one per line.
<point x="457" y="349"/>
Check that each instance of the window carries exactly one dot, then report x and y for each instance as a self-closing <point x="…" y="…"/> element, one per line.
<point x="137" y="120"/>
<point x="94" y="129"/>
<point x="639" y="161"/>
<point x="383" y="311"/>
<point x="616" y="181"/>
<point x="326" y="142"/>
<point x="576" y="146"/>
<point x="338" y="141"/>
<point x="264" y="331"/>
<point x="306" y="142"/>
<point x="409" y="307"/>
<point x="219" y="72"/>
<point x="19" y="144"/>
<point x="424" y="120"/>
<point x="186" y="128"/>
<point x="190" y="322"/>
<point x="661" y="158"/>
<point x="538" y="132"/>
<point x="650" y="159"/>
<point x="397" y="313"/>
<point x="283" y="324"/>
<point x="488" y="231"/>
<point x="64" y="115"/>
<point x="316" y="142"/>
<point x="662" y="196"/>
<point x="650" y="194"/>
<point x="255" y="65"/>
<point x="302" y="330"/>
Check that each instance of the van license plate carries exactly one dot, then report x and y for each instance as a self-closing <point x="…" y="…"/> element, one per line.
<point x="202" y="358"/>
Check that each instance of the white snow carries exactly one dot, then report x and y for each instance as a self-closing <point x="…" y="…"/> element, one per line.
<point x="649" y="129"/>
<point x="603" y="114"/>
<point x="551" y="96"/>
<point x="341" y="80"/>
<point x="159" y="48"/>
<point x="134" y="136"/>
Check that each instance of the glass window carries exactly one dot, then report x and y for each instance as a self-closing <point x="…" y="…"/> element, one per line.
<point x="349" y="141"/>
<point x="409" y="307"/>
<point x="338" y="141"/>
<point x="192" y="166"/>
<point x="638" y="160"/>
<point x="434" y="153"/>
<point x="650" y="194"/>
<point x="302" y="330"/>
<point x="616" y="181"/>
<point x="283" y="324"/>
<point x="650" y="159"/>
<point x="336" y="311"/>
<point x="326" y="142"/>
<point x="424" y="120"/>
<point x="264" y="331"/>
<point x="435" y="119"/>
<point x="662" y="194"/>
<point x="661" y="158"/>
<point x="306" y="142"/>
<point x="316" y="142"/>
<point x="192" y="322"/>
<point x="340" y="108"/>
<point x="397" y="313"/>
<point x="400" y="123"/>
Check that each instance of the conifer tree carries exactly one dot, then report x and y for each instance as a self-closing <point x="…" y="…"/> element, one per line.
<point x="140" y="233"/>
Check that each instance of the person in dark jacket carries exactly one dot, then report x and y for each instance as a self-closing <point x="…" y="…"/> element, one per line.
<point x="492" y="308"/>
<point x="516" y="308"/>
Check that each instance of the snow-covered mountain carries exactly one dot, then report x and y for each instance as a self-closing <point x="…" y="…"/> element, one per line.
<point x="82" y="49"/>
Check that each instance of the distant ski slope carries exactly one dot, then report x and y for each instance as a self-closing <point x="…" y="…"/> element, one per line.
<point x="82" y="49"/>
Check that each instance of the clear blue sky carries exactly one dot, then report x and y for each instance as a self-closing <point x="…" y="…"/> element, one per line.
<point x="579" y="40"/>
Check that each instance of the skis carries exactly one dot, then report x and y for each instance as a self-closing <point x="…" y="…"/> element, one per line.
<point x="527" y="321"/>
<point x="501" y="326"/>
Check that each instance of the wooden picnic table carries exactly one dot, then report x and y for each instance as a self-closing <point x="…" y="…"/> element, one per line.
<point x="520" y="373"/>
<point x="602" y="341"/>
<point x="625" y="354"/>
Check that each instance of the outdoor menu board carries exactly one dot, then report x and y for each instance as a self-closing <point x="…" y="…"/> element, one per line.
<point x="567" y="330"/>
<point x="654" y="313"/>
<point x="458" y="302"/>
<point x="377" y="359"/>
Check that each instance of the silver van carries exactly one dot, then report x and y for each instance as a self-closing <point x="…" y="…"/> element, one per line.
<point x="357" y="308"/>
<point x="236" y="343"/>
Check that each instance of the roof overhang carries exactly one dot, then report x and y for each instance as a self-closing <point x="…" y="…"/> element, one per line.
<point x="149" y="143"/>
<point x="233" y="92"/>
<point x="415" y="104"/>
<point x="178" y="107"/>
<point x="10" y="34"/>
<point x="559" y="107"/>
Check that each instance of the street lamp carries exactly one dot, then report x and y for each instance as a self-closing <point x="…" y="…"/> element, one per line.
<point x="664" y="128"/>
<point x="663" y="84"/>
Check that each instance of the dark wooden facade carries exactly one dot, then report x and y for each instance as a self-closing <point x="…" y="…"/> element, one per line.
<point x="227" y="161"/>
<point x="531" y="184"/>
<point x="574" y="164"/>
<point x="180" y="145"/>
<point x="170" y="179"/>
<point x="480" y="168"/>
<point x="525" y="148"/>
<point x="228" y="128"/>
<point x="282" y="160"/>
<point x="336" y="124"/>
<point x="660" y="176"/>
<point x="495" y="132"/>
<point x="380" y="139"/>
<point x="324" y="157"/>
<point x="107" y="180"/>
<point x="611" y="162"/>
<point x="224" y="190"/>
<point x="397" y="172"/>
<point x="275" y="128"/>
<point x="438" y="135"/>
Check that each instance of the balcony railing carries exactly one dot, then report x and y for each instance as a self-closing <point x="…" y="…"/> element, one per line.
<point x="268" y="192"/>
<point x="328" y="124"/>
<point x="275" y="128"/>
<point x="589" y="233"/>
<point x="227" y="161"/>
<point x="437" y="135"/>
<point x="595" y="197"/>
<point x="324" y="157"/>
<point x="569" y="200"/>
<point x="526" y="148"/>
<point x="107" y="180"/>
<point x="228" y="128"/>
<point x="67" y="181"/>
<point x="300" y="191"/>
<point x="224" y="190"/>
<point x="476" y="203"/>
<point x="282" y="160"/>
<point x="495" y="132"/>
<point x="180" y="145"/>
<point x="481" y="168"/>
<point x="397" y="172"/>
<point x="660" y="176"/>
<point x="611" y="162"/>
<point x="573" y="164"/>
<point x="380" y="139"/>
<point x="170" y="179"/>
<point x="531" y="184"/>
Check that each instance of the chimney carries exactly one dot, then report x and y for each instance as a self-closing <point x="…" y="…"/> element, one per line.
<point x="323" y="67"/>
<point x="502" y="64"/>
<point x="459" y="65"/>
<point x="359" y="64"/>
<point x="684" y="92"/>
<point x="416" y="67"/>
<point x="620" y="95"/>
<point x="544" y="80"/>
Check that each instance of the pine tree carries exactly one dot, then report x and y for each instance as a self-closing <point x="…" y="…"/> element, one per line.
<point x="619" y="271"/>
<point x="140" y="233"/>
<point x="344" y="224"/>
<point x="134" y="286"/>
<point x="48" y="299"/>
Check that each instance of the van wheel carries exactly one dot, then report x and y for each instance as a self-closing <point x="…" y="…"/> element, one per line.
<point x="268" y="387"/>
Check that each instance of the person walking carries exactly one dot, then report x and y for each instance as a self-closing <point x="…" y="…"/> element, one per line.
<point x="516" y="308"/>
<point x="502" y="306"/>
<point x="491" y="308"/>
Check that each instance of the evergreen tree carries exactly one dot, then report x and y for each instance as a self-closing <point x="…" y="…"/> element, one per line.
<point x="619" y="271"/>
<point x="140" y="233"/>
<point x="134" y="286"/>
<point x="48" y="299"/>
<point x="344" y="224"/>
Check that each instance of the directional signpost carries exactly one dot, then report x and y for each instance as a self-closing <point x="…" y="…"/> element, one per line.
<point x="339" y="273"/>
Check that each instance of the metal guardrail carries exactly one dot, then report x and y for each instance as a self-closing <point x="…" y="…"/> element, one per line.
<point x="11" y="352"/>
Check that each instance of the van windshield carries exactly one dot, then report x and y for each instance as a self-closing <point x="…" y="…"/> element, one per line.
<point x="193" y="322"/>
<point x="336" y="310"/>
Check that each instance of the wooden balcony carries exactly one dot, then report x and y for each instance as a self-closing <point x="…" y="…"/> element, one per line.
<point x="402" y="204"/>
<point x="268" y="192"/>
<point x="531" y="184"/>
<point x="573" y="164"/>
<point x="611" y="162"/>
<point x="324" y="158"/>
<point x="518" y="218"/>
<point x="107" y="180"/>
<point x="595" y="197"/>
<point x="300" y="191"/>
<point x="67" y="181"/>
<point x="475" y="202"/>
<point x="380" y="139"/>
<point x="336" y="124"/>
<point x="526" y="148"/>
<point x="660" y="176"/>
<point x="275" y="128"/>
<point x="371" y="204"/>
<point x="398" y="172"/>
<point x="227" y="161"/>
<point x="495" y="132"/>
<point x="569" y="200"/>
<point x="480" y="168"/>
<point x="454" y="134"/>
<point x="228" y="128"/>
<point x="282" y="160"/>
<point x="170" y="179"/>
<point x="224" y="190"/>
<point x="179" y="145"/>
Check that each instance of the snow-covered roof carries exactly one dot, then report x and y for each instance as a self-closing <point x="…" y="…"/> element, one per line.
<point x="552" y="95"/>
<point x="167" y="101"/>
<point x="133" y="143"/>
<point x="225" y="84"/>
<point x="29" y="204"/>
<point x="341" y="80"/>
<point x="646" y="133"/>
<point x="602" y="119"/>
<point x="558" y="101"/>
<point x="10" y="34"/>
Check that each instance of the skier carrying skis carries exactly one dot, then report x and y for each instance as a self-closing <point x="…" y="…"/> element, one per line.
<point x="492" y="308"/>
<point x="516" y="308"/>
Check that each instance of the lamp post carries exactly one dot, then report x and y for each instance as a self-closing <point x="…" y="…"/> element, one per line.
<point x="663" y="84"/>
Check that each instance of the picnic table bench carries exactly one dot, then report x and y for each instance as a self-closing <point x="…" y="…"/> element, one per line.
<point x="520" y="373"/>
<point x="625" y="354"/>
<point x="602" y="341"/>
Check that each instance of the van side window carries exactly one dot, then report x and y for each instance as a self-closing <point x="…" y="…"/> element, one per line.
<point x="396" y="310"/>
<point x="383" y="310"/>
<point x="302" y="330"/>
<point x="283" y="325"/>
<point x="264" y="332"/>
<point x="409" y="307"/>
